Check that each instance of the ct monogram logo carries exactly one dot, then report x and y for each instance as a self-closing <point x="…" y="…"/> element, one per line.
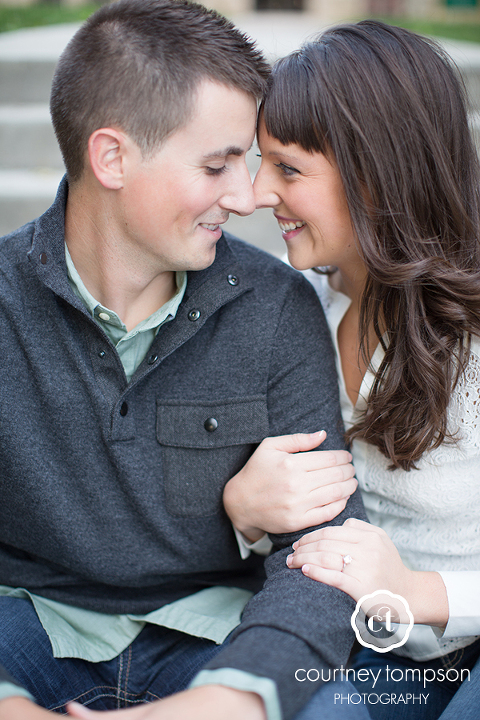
<point x="382" y="621"/>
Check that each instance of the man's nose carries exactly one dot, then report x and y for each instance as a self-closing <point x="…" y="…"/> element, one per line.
<point x="239" y="197"/>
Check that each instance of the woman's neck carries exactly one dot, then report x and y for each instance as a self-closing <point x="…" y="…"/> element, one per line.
<point x="354" y="365"/>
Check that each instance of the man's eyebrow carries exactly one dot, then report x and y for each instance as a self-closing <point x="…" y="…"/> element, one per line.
<point x="232" y="150"/>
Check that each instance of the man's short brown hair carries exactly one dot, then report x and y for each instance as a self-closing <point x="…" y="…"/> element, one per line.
<point x="135" y="65"/>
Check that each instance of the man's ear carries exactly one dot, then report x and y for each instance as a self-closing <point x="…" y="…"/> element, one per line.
<point x="106" y="152"/>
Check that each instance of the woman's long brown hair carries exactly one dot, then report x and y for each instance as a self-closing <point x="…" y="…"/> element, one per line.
<point x="391" y="107"/>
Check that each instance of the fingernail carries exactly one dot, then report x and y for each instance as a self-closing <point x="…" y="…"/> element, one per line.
<point x="289" y="559"/>
<point x="295" y="545"/>
<point x="305" y="569"/>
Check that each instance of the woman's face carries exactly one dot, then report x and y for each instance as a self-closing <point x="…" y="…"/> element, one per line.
<point x="307" y="196"/>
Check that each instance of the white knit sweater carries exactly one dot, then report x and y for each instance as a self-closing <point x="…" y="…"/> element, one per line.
<point x="432" y="514"/>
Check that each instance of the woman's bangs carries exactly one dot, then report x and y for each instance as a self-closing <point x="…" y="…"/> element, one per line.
<point x="287" y="107"/>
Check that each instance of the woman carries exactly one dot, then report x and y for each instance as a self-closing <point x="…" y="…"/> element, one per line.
<point x="368" y="163"/>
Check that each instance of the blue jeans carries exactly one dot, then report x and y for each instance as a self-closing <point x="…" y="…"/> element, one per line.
<point x="161" y="662"/>
<point x="158" y="663"/>
<point x="448" y="697"/>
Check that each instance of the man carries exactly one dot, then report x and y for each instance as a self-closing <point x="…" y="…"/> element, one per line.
<point x="144" y="358"/>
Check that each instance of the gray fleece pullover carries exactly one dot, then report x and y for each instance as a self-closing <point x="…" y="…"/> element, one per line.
<point x="111" y="492"/>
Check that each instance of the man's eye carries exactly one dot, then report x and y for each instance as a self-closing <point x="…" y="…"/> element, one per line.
<point x="215" y="171"/>
<point x="287" y="169"/>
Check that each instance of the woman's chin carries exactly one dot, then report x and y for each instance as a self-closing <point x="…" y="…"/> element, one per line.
<point x="300" y="261"/>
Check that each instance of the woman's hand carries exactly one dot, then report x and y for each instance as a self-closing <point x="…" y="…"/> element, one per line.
<point x="375" y="565"/>
<point x="285" y="488"/>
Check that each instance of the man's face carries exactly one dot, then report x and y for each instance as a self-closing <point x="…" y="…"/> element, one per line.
<point x="172" y="205"/>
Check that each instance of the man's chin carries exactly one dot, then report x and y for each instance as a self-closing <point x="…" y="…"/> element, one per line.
<point x="204" y="261"/>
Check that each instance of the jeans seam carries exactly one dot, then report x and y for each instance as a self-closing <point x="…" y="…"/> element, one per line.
<point x="113" y="693"/>
<point x="133" y="699"/>
<point x="451" y="660"/>
<point x="127" y="674"/>
<point x="119" y="679"/>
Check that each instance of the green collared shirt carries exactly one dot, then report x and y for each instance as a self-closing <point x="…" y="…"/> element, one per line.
<point x="211" y="613"/>
<point x="132" y="346"/>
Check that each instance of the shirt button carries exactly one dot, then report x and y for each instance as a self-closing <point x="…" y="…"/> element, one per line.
<point x="124" y="409"/>
<point x="104" y="316"/>
<point x="210" y="424"/>
<point x="232" y="279"/>
<point x="43" y="258"/>
<point x="193" y="315"/>
<point x="152" y="359"/>
<point x="101" y="353"/>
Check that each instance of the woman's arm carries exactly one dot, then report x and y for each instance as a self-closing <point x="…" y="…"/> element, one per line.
<point x="375" y="565"/>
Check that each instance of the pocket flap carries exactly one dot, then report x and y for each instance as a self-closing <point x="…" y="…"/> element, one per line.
<point x="212" y="424"/>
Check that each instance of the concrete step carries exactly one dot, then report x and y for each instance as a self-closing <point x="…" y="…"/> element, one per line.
<point x="27" y="62"/>
<point x="25" y="81"/>
<point x="24" y="195"/>
<point x="27" y="140"/>
<point x="466" y="56"/>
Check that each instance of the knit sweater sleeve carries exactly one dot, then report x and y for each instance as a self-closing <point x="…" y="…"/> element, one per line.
<point x="295" y="622"/>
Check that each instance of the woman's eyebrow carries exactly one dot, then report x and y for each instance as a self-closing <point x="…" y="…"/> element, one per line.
<point x="283" y="155"/>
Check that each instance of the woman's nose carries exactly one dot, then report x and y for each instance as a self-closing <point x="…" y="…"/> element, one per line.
<point x="265" y="194"/>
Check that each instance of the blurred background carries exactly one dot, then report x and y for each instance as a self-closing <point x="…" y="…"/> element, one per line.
<point x="33" y="34"/>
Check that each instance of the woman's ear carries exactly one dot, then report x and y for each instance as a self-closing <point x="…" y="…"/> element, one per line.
<point x="106" y="153"/>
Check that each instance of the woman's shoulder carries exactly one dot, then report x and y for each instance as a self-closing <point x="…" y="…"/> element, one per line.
<point x="475" y="347"/>
<point x="320" y="283"/>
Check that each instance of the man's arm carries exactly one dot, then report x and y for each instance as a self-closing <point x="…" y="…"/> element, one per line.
<point x="21" y="708"/>
<point x="10" y="690"/>
<point x="199" y="704"/>
<point x="203" y="703"/>
<point x="295" y="622"/>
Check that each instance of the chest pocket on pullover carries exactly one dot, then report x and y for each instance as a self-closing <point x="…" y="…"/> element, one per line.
<point x="203" y="445"/>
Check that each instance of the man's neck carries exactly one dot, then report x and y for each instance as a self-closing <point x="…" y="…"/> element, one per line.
<point x="111" y="274"/>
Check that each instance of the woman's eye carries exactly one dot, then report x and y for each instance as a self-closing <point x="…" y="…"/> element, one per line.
<point x="286" y="169"/>
<point x="216" y="171"/>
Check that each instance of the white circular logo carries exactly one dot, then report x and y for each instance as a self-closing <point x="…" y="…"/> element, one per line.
<point x="382" y="621"/>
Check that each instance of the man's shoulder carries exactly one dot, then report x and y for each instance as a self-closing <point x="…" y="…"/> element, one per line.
<point x="15" y="245"/>
<point x="261" y="265"/>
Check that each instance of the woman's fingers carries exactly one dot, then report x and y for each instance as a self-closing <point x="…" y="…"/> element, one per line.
<point x="331" y="492"/>
<point x="325" y="513"/>
<point x="322" y="459"/>
<point x="334" y="578"/>
<point x="326" y="560"/>
<point x="352" y="530"/>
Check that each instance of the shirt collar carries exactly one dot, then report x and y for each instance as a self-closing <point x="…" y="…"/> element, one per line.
<point x="104" y="315"/>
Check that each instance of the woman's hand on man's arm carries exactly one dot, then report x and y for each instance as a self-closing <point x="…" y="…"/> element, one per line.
<point x="374" y="563"/>
<point x="288" y="486"/>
